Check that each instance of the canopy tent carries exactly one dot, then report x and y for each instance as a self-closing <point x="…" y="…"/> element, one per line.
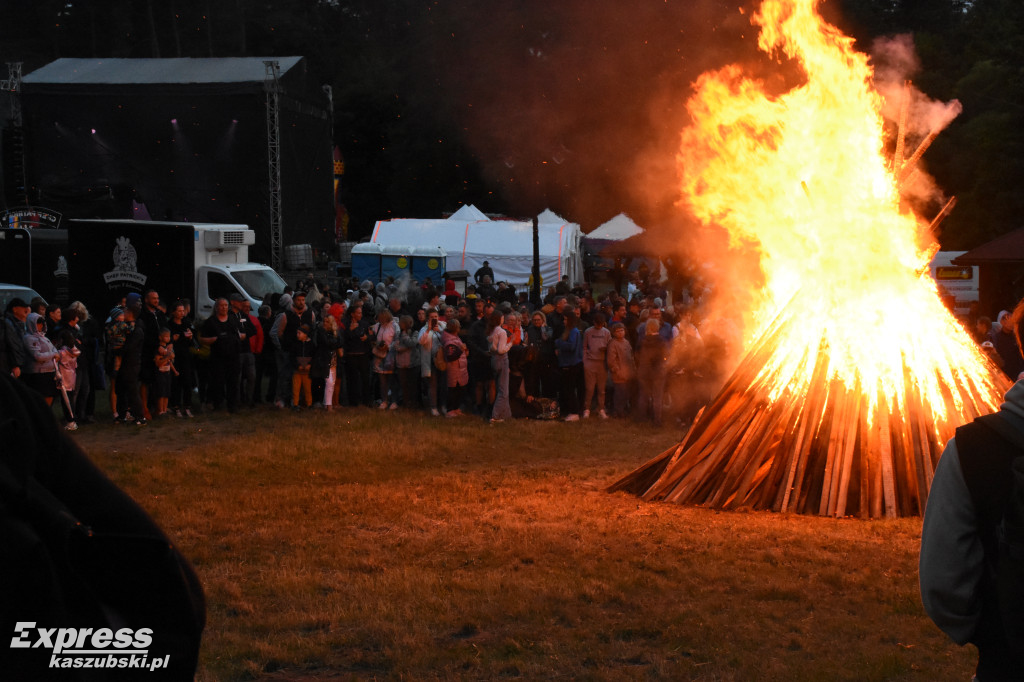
<point x="618" y="228"/>
<point x="469" y="238"/>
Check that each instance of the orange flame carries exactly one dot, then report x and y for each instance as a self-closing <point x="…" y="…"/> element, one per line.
<point x="805" y="175"/>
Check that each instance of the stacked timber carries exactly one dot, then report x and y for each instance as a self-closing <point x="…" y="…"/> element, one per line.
<point x="810" y="443"/>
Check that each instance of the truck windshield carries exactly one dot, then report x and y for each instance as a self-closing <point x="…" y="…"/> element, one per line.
<point x="259" y="283"/>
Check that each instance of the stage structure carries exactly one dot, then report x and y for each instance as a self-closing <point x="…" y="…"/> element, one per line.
<point x="225" y="140"/>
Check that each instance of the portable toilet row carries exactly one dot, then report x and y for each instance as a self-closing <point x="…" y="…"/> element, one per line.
<point x="377" y="261"/>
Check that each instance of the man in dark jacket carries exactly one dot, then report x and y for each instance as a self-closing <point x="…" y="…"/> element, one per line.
<point x="128" y="396"/>
<point x="13" y="355"/>
<point x="960" y="543"/>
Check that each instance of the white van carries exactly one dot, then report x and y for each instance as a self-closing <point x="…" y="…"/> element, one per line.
<point x="960" y="282"/>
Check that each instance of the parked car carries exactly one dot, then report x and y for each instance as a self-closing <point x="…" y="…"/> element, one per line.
<point x="9" y="291"/>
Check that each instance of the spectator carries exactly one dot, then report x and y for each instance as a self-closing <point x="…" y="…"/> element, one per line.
<point x="303" y="358"/>
<point x="569" y="351"/>
<point x="499" y="346"/>
<point x="430" y="342"/>
<point x="248" y="351"/>
<point x="13" y="354"/>
<point x="1006" y="346"/>
<point x="651" y="354"/>
<point x="407" y="362"/>
<point x="324" y="370"/>
<point x="457" y="371"/>
<point x="541" y="365"/>
<point x="622" y="369"/>
<point x="67" y="369"/>
<point x="483" y="271"/>
<point x="129" y="399"/>
<point x="184" y="343"/>
<point x="90" y="370"/>
<point x="385" y="334"/>
<point x="152" y="319"/>
<point x="223" y="333"/>
<point x="53" y="321"/>
<point x="451" y="295"/>
<point x="357" y="346"/>
<point x="969" y="559"/>
<point x="595" y="350"/>
<point x="41" y="366"/>
<point x="481" y="377"/>
<point x="165" y="371"/>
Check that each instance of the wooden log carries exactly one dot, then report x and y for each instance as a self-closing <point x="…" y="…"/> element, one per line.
<point x="853" y="427"/>
<point x="810" y="419"/>
<point x="911" y="163"/>
<point x="766" y="453"/>
<point x="873" y="484"/>
<point x="837" y="431"/>
<point x="885" y="444"/>
<point x="901" y="130"/>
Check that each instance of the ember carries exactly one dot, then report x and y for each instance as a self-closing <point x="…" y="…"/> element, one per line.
<point x="858" y="374"/>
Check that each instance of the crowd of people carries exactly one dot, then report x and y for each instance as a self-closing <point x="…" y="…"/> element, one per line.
<point x="488" y="352"/>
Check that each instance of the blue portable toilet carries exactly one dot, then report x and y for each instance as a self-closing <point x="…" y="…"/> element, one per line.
<point x="429" y="261"/>
<point x="366" y="262"/>
<point x="395" y="261"/>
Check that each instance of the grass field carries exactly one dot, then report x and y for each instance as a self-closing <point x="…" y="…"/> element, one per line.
<point x="367" y="545"/>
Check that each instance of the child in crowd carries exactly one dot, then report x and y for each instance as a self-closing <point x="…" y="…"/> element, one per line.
<point x="67" y="368"/>
<point x="301" y="383"/>
<point x="116" y="331"/>
<point x="621" y="367"/>
<point x="164" y="360"/>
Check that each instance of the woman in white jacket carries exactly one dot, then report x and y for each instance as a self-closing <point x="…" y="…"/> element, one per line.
<point x="499" y="347"/>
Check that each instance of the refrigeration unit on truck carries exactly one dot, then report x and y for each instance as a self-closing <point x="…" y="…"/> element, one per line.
<point x="108" y="259"/>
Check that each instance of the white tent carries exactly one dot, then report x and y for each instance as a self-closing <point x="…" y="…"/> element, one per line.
<point x="470" y="238"/>
<point x="615" y="230"/>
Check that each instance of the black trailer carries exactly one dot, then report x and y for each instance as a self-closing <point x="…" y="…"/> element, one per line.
<point x="108" y="260"/>
<point x="37" y="258"/>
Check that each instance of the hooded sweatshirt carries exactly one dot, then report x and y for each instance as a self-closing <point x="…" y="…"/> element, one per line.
<point x="41" y="351"/>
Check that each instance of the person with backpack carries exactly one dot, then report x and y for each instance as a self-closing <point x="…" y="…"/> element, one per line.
<point x="457" y="366"/>
<point x="972" y="540"/>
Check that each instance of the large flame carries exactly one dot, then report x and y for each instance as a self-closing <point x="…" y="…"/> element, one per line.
<point x="805" y="175"/>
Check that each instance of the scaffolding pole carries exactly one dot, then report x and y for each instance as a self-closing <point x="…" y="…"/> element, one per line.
<point x="272" y="87"/>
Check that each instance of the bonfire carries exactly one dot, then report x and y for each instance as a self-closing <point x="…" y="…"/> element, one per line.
<point x="856" y="374"/>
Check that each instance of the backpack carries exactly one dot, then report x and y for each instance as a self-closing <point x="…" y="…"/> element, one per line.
<point x="452" y="352"/>
<point x="992" y="460"/>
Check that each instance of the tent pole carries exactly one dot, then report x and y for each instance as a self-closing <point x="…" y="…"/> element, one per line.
<point x="535" y="290"/>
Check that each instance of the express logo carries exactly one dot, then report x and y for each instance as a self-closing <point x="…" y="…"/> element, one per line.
<point x="80" y="640"/>
<point x="89" y="647"/>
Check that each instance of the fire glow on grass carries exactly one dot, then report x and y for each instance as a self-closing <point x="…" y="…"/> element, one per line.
<point x="857" y="373"/>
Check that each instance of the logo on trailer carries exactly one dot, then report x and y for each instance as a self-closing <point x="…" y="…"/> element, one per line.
<point x="125" y="270"/>
<point x="62" y="267"/>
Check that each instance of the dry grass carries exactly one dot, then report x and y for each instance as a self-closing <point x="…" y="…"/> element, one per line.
<point x="393" y="546"/>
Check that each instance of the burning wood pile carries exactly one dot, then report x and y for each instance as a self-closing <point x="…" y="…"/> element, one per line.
<point x="843" y="402"/>
<point x="811" y="444"/>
